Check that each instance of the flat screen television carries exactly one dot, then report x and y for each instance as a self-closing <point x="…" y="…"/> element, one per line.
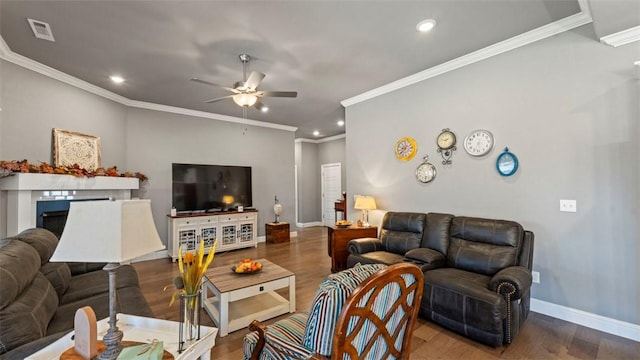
<point x="198" y="188"/>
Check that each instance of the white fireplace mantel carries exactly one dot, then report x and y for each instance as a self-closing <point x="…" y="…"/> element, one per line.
<point x="24" y="190"/>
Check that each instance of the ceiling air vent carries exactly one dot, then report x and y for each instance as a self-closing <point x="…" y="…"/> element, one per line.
<point x="41" y="30"/>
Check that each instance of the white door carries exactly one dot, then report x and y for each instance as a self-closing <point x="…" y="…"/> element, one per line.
<point x="331" y="191"/>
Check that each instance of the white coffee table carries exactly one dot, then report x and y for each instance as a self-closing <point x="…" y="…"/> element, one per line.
<point x="141" y="329"/>
<point x="233" y="301"/>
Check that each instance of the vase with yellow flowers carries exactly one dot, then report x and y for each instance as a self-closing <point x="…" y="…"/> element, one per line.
<point x="188" y="284"/>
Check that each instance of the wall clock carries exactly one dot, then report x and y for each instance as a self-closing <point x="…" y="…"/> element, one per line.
<point x="446" y="142"/>
<point x="406" y="148"/>
<point x="507" y="163"/>
<point x="478" y="142"/>
<point x="426" y="171"/>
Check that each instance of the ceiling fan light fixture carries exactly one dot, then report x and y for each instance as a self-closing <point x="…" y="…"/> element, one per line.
<point x="245" y="99"/>
<point x="426" y="25"/>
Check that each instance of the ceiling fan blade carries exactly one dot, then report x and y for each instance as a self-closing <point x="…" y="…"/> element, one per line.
<point x="254" y="80"/>
<point x="213" y="84"/>
<point x="291" y="94"/>
<point x="218" y="99"/>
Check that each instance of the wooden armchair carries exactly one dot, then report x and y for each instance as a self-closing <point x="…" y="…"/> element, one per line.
<point x="366" y="312"/>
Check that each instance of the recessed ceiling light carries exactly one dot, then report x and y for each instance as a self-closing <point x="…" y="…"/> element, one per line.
<point x="426" y="25"/>
<point x="340" y="122"/>
<point x="262" y="107"/>
<point x="117" y="79"/>
<point x="316" y="133"/>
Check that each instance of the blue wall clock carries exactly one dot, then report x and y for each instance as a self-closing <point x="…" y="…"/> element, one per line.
<point x="507" y="163"/>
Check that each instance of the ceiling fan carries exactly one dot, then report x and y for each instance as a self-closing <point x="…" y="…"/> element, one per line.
<point x="245" y="92"/>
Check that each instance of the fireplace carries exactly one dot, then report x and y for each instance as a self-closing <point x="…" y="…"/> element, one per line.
<point x="52" y="214"/>
<point x="21" y="195"/>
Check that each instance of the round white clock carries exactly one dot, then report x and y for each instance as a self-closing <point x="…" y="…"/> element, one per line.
<point x="478" y="142"/>
<point x="426" y="172"/>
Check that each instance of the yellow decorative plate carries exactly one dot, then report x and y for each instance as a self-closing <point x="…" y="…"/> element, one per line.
<point x="406" y="148"/>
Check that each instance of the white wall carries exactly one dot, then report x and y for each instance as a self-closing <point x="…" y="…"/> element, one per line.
<point x="568" y="107"/>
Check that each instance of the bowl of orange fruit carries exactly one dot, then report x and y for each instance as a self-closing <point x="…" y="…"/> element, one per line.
<point x="246" y="266"/>
<point x="343" y="223"/>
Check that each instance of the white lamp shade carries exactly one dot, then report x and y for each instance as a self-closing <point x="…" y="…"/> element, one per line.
<point x="108" y="231"/>
<point x="365" y="203"/>
<point x="245" y="99"/>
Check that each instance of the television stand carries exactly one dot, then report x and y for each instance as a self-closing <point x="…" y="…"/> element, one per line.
<point x="234" y="230"/>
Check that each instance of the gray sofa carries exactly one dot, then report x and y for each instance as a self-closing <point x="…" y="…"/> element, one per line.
<point x="38" y="298"/>
<point x="477" y="272"/>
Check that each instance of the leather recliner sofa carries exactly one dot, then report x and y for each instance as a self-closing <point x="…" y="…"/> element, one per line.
<point x="477" y="272"/>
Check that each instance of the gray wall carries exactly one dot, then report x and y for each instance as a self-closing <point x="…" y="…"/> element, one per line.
<point x="186" y="139"/>
<point x="568" y="107"/>
<point x="34" y="104"/>
<point x="332" y="152"/>
<point x="142" y="140"/>
<point x="309" y="205"/>
<point x="309" y="157"/>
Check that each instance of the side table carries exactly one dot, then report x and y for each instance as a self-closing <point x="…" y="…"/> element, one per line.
<point x="339" y="238"/>
<point x="141" y="329"/>
<point x="277" y="232"/>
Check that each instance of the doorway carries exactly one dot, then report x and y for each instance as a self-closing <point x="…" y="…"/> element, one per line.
<point x="331" y="191"/>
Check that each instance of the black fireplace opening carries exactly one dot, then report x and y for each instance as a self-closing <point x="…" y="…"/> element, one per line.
<point x="52" y="214"/>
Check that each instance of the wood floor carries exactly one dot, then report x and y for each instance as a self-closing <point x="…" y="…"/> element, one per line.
<point x="541" y="337"/>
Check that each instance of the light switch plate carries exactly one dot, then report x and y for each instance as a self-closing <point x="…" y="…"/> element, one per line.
<point x="568" y="206"/>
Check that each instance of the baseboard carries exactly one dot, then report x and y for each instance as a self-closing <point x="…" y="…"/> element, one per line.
<point x="310" y="224"/>
<point x="598" y="322"/>
<point x="262" y="238"/>
<point x="293" y="234"/>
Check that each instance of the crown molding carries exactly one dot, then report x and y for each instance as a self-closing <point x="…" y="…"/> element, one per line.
<point x="323" y="140"/>
<point x="623" y="37"/>
<point x="543" y="32"/>
<point x="25" y="62"/>
<point x="207" y="115"/>
<point x="4" y="48"/>
<point x="332" y="138"/>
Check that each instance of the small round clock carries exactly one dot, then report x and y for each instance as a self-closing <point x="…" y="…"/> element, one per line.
<point x="478" y="142"/>
<point x="507" y="163"/>
<point x="446" y="140"/>
<point x="426" y="172"/>
<point x="406" y="148"/>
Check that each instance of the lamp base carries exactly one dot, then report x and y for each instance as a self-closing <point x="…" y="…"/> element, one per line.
<point x="112" y="339"/>
<point x="114" y="336"/>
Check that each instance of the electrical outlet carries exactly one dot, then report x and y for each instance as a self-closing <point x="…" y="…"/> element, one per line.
<point x="536" y="277"/>
<point x="568" y="205"/>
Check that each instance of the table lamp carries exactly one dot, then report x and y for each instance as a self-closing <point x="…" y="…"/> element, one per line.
<point x="111" y="232"/>
<point x="365" y="203"/>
